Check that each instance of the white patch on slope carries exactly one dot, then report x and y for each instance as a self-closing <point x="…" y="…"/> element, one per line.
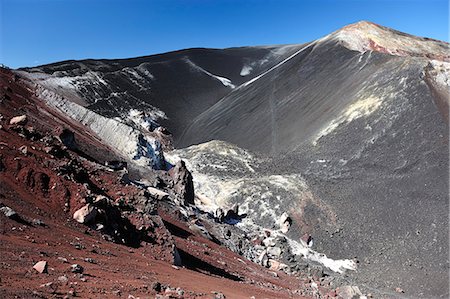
<point x="214" y="190"/>
<point x="246" y="70"/>
<point x="275" y="66"/>
<point x="71" y="82"/>
<point x="131" y="143"/>
<point x="145" y="119"/>
<point x="338" y="266"/>
<point x="225" y="81"/>
<point x="356" y="110"/>
<point x="442" y="73"/>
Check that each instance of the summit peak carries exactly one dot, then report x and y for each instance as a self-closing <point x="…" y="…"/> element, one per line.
<point x="368" y="36"/>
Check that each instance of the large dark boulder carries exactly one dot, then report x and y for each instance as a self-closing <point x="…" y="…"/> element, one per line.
<point x="182" y="183"/>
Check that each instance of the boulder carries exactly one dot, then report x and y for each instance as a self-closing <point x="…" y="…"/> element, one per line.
<point x="307" y="238"/>
<point x="219" y="215"/>
<point x="67" y="138"/>
<point x="8" y="212"/>
<point x="86" y="214"/>
<point x="75" y="268"/>
<point x="276" y="265"/>
<point x="274" y="251"/>
<point x="158" y="194"/>
<point x="284" y="222"/>
<point x="18" y="120"/>
<point x="41" y="267"/>
<point x="348" y="292"/>
<point x="182" y="182"/>
<point x="23" y="149"/>
<point x="263" y="259"/>
<point x="101" y="201"/>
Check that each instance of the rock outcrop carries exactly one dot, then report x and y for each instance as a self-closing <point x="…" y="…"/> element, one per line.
<point x="182" y="183"/>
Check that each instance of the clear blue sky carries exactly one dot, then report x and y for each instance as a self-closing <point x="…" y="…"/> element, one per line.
<point x="36" y="32"/>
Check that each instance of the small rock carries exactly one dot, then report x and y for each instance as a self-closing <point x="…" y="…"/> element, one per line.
<point x="158" y="194"/>
<point x="18" y="120"/>
<point x="62" y="259"/>
<point x="219" y="295"/>
<point x="307" y="238"/>
<point x="23" y="149"/>
<point x="263" y="259"/>
<point x="156" y="286"/>
<point x="41" y="267"/>
<point x="63" y="279"/>
<point x="276" y="265"/>
<point x="89" y="260"/>
<point x="38" y="222"/>
<point x="180" y="291"/>
<point x="10" y="213"/>
<point x="274" y="251"/>
<point x="285" y="222"/>
<point x="47" y="285"/>
<point x="75" y="268"/>
<point x="101" y="201"/>
<point x="85" y="214"/>
<point x="348" y="292"/>
<point x="220" y="215"/>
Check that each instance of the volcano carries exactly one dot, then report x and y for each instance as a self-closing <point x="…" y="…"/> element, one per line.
<point x="344" y="137"/>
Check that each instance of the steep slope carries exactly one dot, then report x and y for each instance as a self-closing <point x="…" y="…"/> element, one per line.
<point x="327" y="83"/>
<point x="171" y="88"/>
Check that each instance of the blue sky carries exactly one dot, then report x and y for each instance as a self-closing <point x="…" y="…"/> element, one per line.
<point x="34" y="32"/>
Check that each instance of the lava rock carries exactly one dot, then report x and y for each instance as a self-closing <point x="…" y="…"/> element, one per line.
<point x="182" y="181"/>
<point x="156" y="286"/>
<point x="67" y="138"/>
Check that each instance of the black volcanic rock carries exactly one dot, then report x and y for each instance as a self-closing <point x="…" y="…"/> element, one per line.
<point x="182" y="183"/>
